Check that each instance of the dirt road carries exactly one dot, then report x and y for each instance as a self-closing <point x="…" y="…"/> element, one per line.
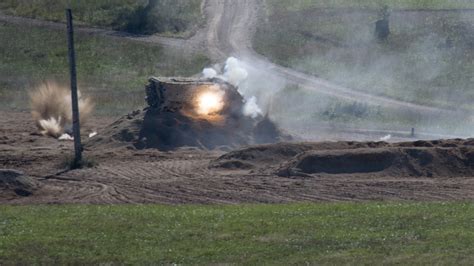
<point x="192" y="44"/>
<point x="231" y="26"/>
<point x="228" y="32"/>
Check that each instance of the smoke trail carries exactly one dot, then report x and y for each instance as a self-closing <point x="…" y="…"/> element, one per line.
<point x="251" y="108"/>
<point x="234" y="72"/>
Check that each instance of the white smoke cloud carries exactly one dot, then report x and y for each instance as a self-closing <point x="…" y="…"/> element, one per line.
<point x="209" y="73"/>
<point x="231" y="62"/>
<point x="386" y="138"/>
<point x="234" y="71"/>
<point x="251" y="108"/>
<point x="65" y="137"/>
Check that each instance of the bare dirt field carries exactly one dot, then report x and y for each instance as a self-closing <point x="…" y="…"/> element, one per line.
<point x="326" y="171"/>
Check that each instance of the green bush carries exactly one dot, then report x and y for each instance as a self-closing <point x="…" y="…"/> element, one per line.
<point x="161" y="16"/>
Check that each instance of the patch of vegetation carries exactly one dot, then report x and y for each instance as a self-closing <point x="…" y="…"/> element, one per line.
<point x="176" y="17"/>
<point x="173" y="18"/>
<point x="314" y="108"/>
<point x="347" y="233"/>
<point x="111" y="70"/>
<point x="349" y="111"/>
<point x="428" y="57"/>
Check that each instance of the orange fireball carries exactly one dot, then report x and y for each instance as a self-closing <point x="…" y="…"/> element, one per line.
<point x="210" y="101"/>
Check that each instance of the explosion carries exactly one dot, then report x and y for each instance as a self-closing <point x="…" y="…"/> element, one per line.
<point x="210" y="101"/>
<point x="235" y="72"/>
<point x="51" y="108"/>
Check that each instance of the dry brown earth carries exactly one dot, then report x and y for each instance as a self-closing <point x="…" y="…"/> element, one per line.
<point x="439" y="170"/>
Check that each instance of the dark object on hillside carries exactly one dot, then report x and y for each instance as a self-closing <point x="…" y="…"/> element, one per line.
<point x="156" y="16"/>
<point x="382" y="29"/>
<point x="172" y="119"/>
<point x="382" y="26"/>
<point x="12" y="181"/>
<point x="138" y="21"/>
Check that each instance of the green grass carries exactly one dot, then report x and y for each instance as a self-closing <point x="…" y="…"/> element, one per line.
<point x="112" y="70"/>
<point x="315" y="108"/>
<point x="100" y="13"/>
<point x="427" y="59"/>
<point x="428" y="4"/>
<point x="176" y="18"/>
<point x="369" y="233"/>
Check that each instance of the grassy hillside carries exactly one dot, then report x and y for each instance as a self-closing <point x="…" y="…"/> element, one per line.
<point x="418" y="4"/>
<point x="428" y="57"/>
<point x="113" y="70"/>
<point x="177" y="17"/>
<point x="369" y="233"/>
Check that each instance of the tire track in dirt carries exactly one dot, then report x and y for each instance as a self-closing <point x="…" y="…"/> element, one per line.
<point x="177" y="179"/>
<point x="137" y="182"/>
<point x="99" y="185"/>
<point x="149" y="176"/>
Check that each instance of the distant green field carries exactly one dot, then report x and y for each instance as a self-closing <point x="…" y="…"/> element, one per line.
<point x="421" y="4"/>
<point x="112" y="70"/>
<point x="318" y="110"/>
<point x="177" y="17"/>
<point x="366" y="233"/>
<point x="101" y="13"/>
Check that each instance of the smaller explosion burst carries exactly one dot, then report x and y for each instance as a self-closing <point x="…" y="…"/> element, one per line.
<point x="210" y="101"/>
<point x="51" y="109"/>
<point x="235" y="73"/>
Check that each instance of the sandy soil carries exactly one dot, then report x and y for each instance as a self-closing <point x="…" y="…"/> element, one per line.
<point x="258" y="174"/>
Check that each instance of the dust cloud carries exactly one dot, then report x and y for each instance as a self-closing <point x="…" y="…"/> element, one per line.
<point x="51" y="109"/>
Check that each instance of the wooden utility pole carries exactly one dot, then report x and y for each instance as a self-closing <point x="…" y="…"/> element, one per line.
<point x="75" y="105"/>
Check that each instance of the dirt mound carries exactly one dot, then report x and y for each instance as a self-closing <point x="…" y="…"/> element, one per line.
<point x="343" y="161"/>
<point x="123" y="132"/>
<point x="166" y="130"/>
<point x="439" y="158"/>
<point x="16" y="182"/>
<point x="383" y="161"/>
<point x="271" y="155"/>
<point x="252" y="157"/>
